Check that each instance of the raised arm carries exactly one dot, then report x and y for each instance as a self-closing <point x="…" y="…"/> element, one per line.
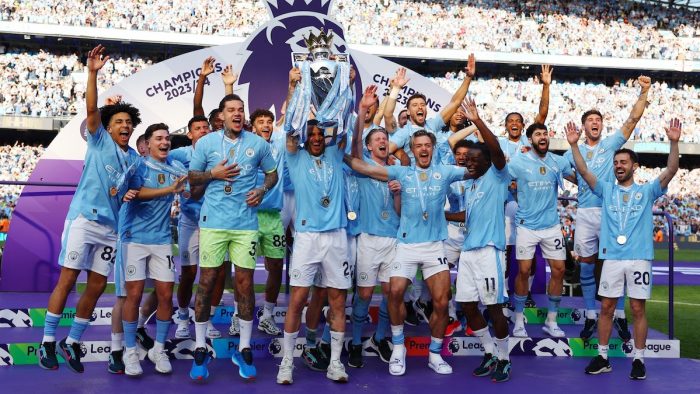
<point x="255" y="196"/>
<point x="460" y="135"/>
<point x="572" y="137"/>
<point x="379" y="115"/>
<point x="95" y="61"/>
<point x="396" y="84"/>
<point x="673" y="132"/>
<point x="207" y="69"/>
<point x="377" y="172"/>
<point x="368" y="99"/>
<point x="638" y="108"/>
<point x="497" y="157"/>
<point x="461" y="93"/>
<point x="229" y="78"/>
<point x="546" y="79"/>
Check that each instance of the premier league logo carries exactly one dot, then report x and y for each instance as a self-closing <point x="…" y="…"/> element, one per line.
<point x="453" y="345"/>
<point x="275" y="347"/>
<point x="293" y="23"/>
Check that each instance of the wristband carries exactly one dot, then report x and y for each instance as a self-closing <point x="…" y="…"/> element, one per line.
<point x="394" y="94"/>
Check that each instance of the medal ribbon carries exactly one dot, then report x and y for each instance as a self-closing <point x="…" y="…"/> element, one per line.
<point x="420" y="189"/>
<point x="622" y="221"/>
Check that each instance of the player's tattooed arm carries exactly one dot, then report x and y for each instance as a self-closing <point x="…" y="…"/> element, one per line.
<point x="638" y="108"/>
<point x="498" y="159"/>
<point x="572" y="137"/>
<point x="221" y="171"/>
<point x="673" y="132"/>
<point x="96" y="59"/>
<point x="207" y="69"/>
<point x="546" y="79"/>
<point x="197" y="192"/>
<point x="377" y="172"/>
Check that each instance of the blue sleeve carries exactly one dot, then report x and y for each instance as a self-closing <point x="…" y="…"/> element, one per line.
<point x="656" y="190"/>
<point x="569" y="157"/>
<point x="400" y="138"/>
<point x="199" y="156"/>
<point x="565" y="165"/>
<point x="98" y="138"/>
<point x="599" y="189"/>
<point x="614" y="141"/>
<point x="178" y="154"/>
<point x="435" y="124"/>
<point x="454" y="173"/>
<point x="395" y="172"/>
<point x="513" y="169"/>
<point x="137" y="180"/>
<point x="267" y="162"/>
<point x="501" y="174"/>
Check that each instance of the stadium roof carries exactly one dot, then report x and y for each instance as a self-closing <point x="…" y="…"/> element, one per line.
<point x="686" y="3"/>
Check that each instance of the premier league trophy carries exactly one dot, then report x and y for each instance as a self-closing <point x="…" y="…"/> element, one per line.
<point x="325" y="85"/>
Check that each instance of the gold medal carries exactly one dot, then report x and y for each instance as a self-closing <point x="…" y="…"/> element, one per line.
<point x="385" y="215"/>
<point x="228" y="189"/>
<point x="423" y="176"/>
<point x="589" y="155"/>
<point x="621" y="239"/>
<point x="113" y="191"/>
<point x="543" y="170"/>
<point x="625" y="197"/>
<point x="232" y="153"/>
<point x="161" y="178"/>
<point x="352" y="215"/>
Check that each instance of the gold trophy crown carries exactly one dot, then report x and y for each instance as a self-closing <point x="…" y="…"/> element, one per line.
<point x="321" y="41"/>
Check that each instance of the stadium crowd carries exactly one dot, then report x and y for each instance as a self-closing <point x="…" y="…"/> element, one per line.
<point x="570" y="99"/>
<point x="49" y="84"/>
<point x="16" y="164"/>
<point x="556" y="27"/>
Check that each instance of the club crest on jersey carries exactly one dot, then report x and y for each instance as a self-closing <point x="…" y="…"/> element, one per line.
<point x="543" y="170"/>
<point x="638" y="196"/>
<point x="161" y="178"/>
<point x="249" y="152"/>
<point x="437" y="176"/>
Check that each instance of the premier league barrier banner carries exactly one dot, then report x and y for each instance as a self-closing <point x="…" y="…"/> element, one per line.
<point x="98" y="351"/>
<point x="164" y="93"/>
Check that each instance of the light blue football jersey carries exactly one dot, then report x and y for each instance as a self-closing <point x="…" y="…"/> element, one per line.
<point x="423" y="194"/>
<point x="103" y="182"/>
<point x="377" y="215"/>
<point x="188" y="206"/>
<point x="148" y="221"/>
<point x="225" y="206"/>
<point x="274" y="197"/>
<point x="538" y="181"/>
<point x="318" y="181"/>
<point x="485" y="200"/>
<point x="599" y="160"/>
<point x="627" y="212"/>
